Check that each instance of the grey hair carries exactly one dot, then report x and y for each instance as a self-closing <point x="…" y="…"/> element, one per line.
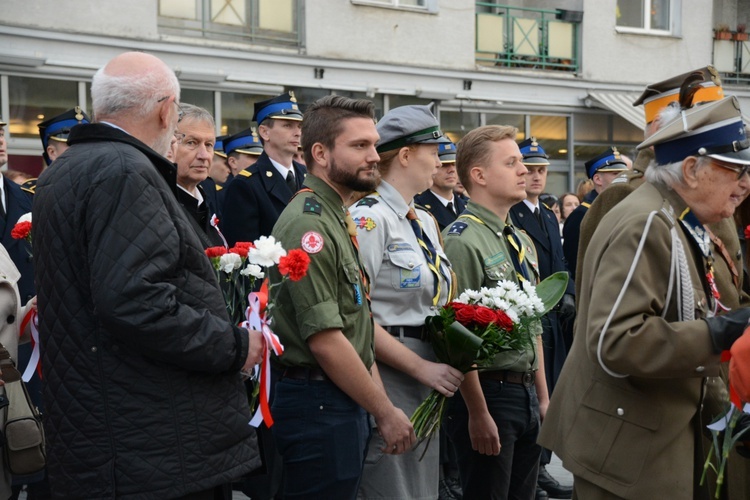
<point x="670" y="175"/>
<point x="134" y="94"/>
<point x="196" y="113"/>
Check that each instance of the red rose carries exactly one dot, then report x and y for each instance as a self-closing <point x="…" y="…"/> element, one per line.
<point x="215" y="252"/>
<point x="484" y="316"/>
<point x="294" y="264"/>
<point x="747" y="232"/>
<point x="464" y="313"/>
<point x="503" y="321"/>
<point x="21" y="230"/>
<point x="241" y="251"/>
<point x="244" y="244"/>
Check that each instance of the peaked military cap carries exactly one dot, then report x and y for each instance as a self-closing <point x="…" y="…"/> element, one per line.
<point x="219" y="146"/>
<point x="407" y="125"/>
<point x="446" y="150"/>
<point x="246" y="142"/>
<point x="609" y="161"/>
<point x="58" y="127"/>
<point x="532" y="152"/>
<point x="713" y="129"/>
<point x="2" y="124"/>
<point x="658" y="95"/>
<point x="282" y="107"/>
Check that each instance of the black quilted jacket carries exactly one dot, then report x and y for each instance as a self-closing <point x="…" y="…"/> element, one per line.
<point x="140" y="364"/>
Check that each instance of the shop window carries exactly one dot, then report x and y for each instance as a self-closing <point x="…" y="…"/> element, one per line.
<point x="33" y="100"/>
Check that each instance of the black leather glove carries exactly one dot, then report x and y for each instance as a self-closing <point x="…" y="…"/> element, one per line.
<point x="567" y="307"/>
<point x="727" y="328"/>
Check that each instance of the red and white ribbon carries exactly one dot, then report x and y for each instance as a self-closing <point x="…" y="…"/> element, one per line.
<point x="256" y="320"/>
<point x="34" y="365"/>
<point x="215" y="225"/>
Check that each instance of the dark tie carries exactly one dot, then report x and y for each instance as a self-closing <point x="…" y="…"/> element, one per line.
<point x="433" y="259"/>
<point x="291" y="182"/>
<point x="539" y="219"/>
<point x="517" y="253"/>
<point x="449" y="206"/>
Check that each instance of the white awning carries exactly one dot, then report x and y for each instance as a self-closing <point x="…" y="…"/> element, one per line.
<point x="620" y="103"/>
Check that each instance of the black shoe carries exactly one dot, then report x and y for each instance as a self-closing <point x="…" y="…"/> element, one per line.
<point x="552" y="486"/>
<point x="444" y="491"/>
<point x="455" y="486"/>
<point x="540" y="494"/>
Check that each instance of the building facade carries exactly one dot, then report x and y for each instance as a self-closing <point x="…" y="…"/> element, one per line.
<point x="565" y="71"/>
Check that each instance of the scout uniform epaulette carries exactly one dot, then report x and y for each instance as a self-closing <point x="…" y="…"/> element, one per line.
<point x="312" y="206"/>
<point x="457" y="228"/>
<point x="367" y="201"/>
<point x="29" y="186"/>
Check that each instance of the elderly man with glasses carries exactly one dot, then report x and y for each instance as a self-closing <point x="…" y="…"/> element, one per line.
<point x="142" y="385"/>
<point x="626" y="413"/>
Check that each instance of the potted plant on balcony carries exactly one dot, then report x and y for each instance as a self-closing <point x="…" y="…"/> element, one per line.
<point x="741" y="35"/>
<point x="721" y="32"/>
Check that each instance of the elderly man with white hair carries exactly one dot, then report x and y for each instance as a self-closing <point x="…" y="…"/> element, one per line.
<point x="625" y="415"/>
<point x="142" y="385"/>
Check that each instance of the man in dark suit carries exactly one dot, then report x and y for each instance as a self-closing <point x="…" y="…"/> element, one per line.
<point x="602" y="170"/>
<point x="256" y="197"/>
<point x="540" y="224"/>
<point x="439" y="199"/>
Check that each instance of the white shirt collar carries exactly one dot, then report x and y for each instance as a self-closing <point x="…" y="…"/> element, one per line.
<point x="531" y="206"/>
<point x="445" y="201"/>
<point x="197" y="194"/>
<point x="281" y="168"/>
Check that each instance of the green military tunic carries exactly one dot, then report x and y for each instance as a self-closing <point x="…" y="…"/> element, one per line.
<point x="481" y="257"/>
<point x="332" y="294"/>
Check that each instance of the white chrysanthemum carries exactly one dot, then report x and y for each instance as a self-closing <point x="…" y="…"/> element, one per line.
<point x="229" y="262"/>
<point x="267" y="252"/>
<point x="253" y="270"/>
<point x="25" y="217"/>
<point x="511" y="314"/>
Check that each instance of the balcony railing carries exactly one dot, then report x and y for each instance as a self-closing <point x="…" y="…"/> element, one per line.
<point x="732" y="60"/>
<point x="527" y="38"/>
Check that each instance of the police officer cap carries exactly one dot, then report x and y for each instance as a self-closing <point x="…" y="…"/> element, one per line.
<point x="58" y="127"/>
<point x="658" y="95"/>
<point x="712" y="129"/>
<point x="2" y="124"/>
<point x="282" y="107"/>
<point x="407" y="125"/>
<point x="219" y="146"/>
<point x="609" y="161"/>
<point x="246" y="142"/>
<point x="532" y="152"/>
<point x="446" y="150"/>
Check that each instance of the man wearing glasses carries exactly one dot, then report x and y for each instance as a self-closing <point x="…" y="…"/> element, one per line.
<point x="648" y="329"/>
<point x="142" y="385"/>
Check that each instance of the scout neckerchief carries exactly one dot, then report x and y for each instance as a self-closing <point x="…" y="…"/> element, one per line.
<point x="517" y="253"/>
<point x="700" y="236"/>
<point x="434" y="262"/>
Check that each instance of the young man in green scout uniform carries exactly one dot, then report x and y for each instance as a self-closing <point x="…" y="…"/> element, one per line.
<point x="495" y="420"/>
<point x="329" y="380"/>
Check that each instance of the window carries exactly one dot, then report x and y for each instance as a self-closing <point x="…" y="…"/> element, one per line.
<point x="655" y="16"/>
<point x="259" y="21"/>
<point x="33" y="100"/>
<point x="237" y="110"/>
<point x="423" y="5"/>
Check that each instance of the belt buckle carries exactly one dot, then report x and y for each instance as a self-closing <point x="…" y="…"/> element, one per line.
<point x="528" y="378"/>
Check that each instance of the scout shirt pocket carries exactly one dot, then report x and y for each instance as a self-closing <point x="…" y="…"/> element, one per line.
<point x="498" y="267"/>
<point x="623" y="426"/>
<point x="406" y="267"/>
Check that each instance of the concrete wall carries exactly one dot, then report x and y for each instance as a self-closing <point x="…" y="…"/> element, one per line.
<point x="639" y="58"/>
<point x="128" y="19"/>
<point x="342" y="30"/>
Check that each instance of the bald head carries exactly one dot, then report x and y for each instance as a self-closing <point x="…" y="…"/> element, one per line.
<point x="138" y="92"/>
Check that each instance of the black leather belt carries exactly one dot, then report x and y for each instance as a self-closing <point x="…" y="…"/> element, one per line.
<point x="521" y="378"/>
<point x="412" y="332"/>
<point x="303" y="373"/>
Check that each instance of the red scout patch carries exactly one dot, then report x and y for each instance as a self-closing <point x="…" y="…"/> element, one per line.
<point x="312" y="242"/>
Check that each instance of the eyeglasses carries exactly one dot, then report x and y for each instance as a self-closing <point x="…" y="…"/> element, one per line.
<point x="180" y="112"/>
<point x="740" y="170"/>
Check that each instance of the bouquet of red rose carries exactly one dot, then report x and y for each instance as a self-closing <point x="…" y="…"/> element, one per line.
<point x="470" y="331"/>
<point x="22" y="229"/>
<point x="237" y="270"/>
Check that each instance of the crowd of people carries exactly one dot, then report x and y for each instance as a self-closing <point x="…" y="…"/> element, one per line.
<point x="143" y="388"/>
